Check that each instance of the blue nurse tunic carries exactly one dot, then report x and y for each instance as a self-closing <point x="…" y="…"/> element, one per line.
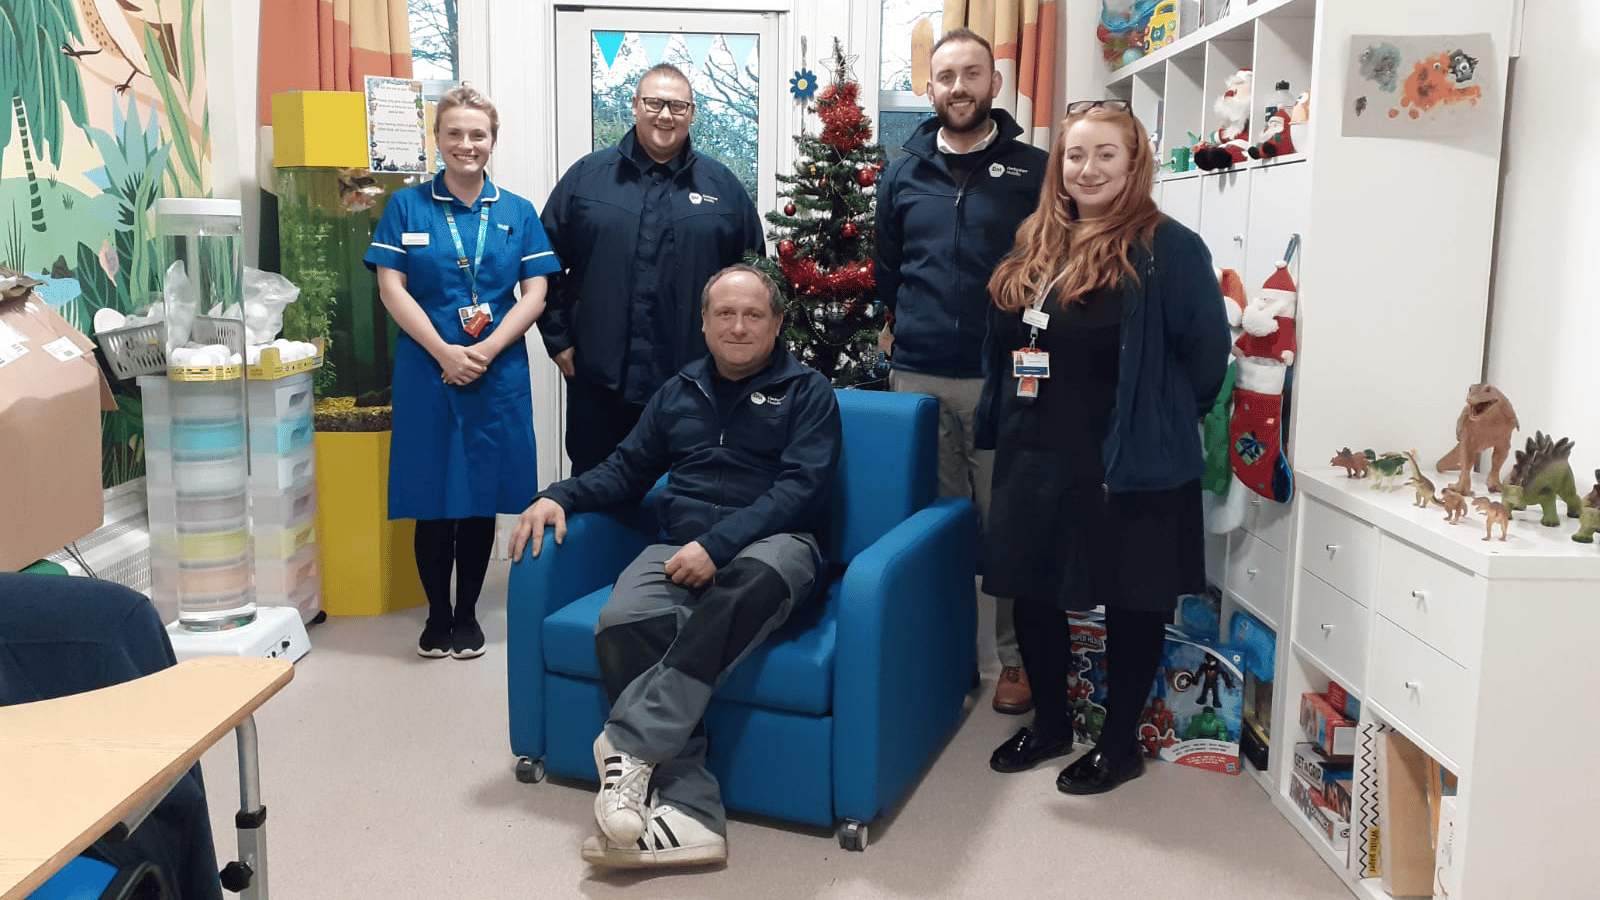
<point x="460" y="451"/>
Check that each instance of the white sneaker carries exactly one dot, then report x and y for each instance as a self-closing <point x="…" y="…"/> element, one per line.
<point x="672" y="839"/>
<point x="620" y="807"/>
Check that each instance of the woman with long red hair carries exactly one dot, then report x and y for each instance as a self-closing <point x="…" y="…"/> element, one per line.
<point x="1107" y="343"/>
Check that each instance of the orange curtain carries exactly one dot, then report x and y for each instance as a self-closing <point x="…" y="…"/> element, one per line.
<point x="1023" y="33"/>
<point x="330" y="45"/>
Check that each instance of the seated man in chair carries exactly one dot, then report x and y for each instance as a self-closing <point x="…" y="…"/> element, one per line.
<point x="749" y="439"/>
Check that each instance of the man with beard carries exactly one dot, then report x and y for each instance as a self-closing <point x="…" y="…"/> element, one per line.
<point x="947" y="212"/>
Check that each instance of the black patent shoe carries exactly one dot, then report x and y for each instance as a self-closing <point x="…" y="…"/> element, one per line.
<point x="1027" y="749"/>
<point x="1096" y="772"/>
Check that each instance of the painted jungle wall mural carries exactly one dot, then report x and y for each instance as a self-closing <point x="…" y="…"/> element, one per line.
<point x="102" y="110"/>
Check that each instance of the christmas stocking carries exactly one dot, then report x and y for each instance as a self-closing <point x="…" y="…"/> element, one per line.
<point x="1255" y="439"/>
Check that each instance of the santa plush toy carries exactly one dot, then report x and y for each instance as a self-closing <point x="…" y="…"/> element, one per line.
<point x="1230" y="143"/>
<point x="1267" y="322"/>
<point x="1264" y="351"/>
<point x="1275" y="137"/>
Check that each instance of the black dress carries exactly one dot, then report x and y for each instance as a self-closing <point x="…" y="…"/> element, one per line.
<point x="1056" y="534"/>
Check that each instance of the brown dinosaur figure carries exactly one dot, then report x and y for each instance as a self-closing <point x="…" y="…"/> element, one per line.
<point x="1492" y="511"/>
<point x="1589" y="516"/>
<point x="1354" y="464"/>
<point x="1542" y="475"/>
<point x="1419" y="481"/>
<point x="1486" y="423"/>
<point x="1455" y="505"/>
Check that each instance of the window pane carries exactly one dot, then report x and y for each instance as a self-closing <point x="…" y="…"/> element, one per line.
<point x="899" y="19"/>
<point x="434" y="39"/>
<point x="895" y="127"/>
<point x="723" y="70"/>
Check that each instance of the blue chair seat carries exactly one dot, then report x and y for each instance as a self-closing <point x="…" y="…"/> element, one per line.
<point x="792" y="670"/>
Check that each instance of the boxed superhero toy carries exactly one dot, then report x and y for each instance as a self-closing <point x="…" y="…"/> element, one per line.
<point x="1195" y="710"/>
<point x="1087" y="684"/>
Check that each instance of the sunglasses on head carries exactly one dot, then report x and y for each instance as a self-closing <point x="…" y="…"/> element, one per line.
<point x="1079" y="107"/>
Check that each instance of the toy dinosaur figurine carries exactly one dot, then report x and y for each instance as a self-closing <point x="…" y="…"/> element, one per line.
<point x="1589" y="516"/>
<point x="1354" y="464"/>
<point x="1542" y="475"/>
<point x="1385" y="468"/>
<point x="1493" y="511"/>
<point x="1424" y="487"/>
<point x="1455" y="505"/>
<point x="1486" y="423"/>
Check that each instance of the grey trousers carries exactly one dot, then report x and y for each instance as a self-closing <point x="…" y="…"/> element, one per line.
<point x="664" y="649"/>
<point x="964" y="471"/>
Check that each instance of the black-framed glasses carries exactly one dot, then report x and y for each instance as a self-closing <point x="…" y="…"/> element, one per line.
<point x="1079" y="107"/>
<point x="677" y="107"/>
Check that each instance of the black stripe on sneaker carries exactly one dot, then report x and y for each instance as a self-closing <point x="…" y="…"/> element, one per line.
<point x="642" y="844"/>
<point x="661" y="823"/>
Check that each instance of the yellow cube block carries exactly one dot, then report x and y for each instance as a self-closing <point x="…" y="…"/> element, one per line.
<point x="319" y="128"/>
<point x="368" y="564"/>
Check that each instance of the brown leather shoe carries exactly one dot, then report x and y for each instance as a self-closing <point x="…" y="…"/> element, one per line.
<point x="1012" y="695"/>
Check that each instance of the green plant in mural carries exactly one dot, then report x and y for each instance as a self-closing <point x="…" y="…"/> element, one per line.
<point x="134" y="158"/>
<point x="40" y="83"/>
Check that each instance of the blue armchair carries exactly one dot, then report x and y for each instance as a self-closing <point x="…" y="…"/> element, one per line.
<point x="848" y="700"/>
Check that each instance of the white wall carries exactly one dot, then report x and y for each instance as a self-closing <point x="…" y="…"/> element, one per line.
<point x="1544" y="328"/>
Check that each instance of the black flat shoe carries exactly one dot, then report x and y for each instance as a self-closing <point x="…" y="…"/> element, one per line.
<point x="1027" y="749"/>
<point x="1095" y="772"/>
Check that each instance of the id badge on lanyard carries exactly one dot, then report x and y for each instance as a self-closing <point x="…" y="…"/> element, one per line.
<point x="1030" y="365"/>
<point x="474" y="316"/>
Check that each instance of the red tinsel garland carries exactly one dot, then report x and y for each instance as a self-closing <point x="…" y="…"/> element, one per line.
<point x="845" y="127"/>
<point x="804" y="274"/>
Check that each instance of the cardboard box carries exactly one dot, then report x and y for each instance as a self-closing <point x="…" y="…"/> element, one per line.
<point x="1326" y="726"/>
<point x="1447" y="878"/>
<point x="1342" y="701"/>
<point x="1308" y="798"/>
<point x="1405" y="838"/>
<point x="51" y="397"/>
<point x="1366" y="860"/>
<point x="1316" y="767"/>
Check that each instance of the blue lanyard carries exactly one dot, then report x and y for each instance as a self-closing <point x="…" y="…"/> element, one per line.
<point x="470" y="270"/>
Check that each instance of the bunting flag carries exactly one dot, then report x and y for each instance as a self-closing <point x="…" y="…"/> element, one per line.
<point x="740" y="46"/>
<point x="609" y="43"/>
<point x="699" y="46"/>
<point x="655" y="45"/>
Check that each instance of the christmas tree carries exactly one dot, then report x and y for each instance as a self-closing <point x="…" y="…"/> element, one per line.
<point x="824" y="236"/>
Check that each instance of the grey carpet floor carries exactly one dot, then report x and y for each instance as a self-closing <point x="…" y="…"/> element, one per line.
<point x="386" y="775"/>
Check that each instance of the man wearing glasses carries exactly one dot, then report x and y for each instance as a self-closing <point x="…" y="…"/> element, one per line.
<point x="640" y="227"/>
<point x="947" y="212"/>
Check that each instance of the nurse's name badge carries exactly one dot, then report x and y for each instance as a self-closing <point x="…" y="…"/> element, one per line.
<point x="414" y="239"/>
<point x="475" y="318"/>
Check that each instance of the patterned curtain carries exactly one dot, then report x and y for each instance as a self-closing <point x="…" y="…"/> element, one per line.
<point x="1023" y="33"/>
<point x="330" y="45"/>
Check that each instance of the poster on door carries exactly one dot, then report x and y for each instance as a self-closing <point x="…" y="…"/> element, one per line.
<point x="1420" y="85"/>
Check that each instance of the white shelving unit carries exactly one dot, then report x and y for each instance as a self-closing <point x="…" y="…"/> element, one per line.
<point x="1393" y="273"/>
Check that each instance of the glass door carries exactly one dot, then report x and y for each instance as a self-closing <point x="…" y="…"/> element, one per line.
<point x="730" y="59"/>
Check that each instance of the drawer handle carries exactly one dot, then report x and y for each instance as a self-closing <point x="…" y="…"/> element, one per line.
<point x="1327" y="628"/>
<point x="1414" y="686"/>
<point x="1331" y="548"/>
<point x="1252" y="572"/>
<point x="1420" y="595"/>
<point x="1256" y="502"/>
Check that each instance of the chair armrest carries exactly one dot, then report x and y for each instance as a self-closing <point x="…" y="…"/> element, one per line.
<point x="906" y="650"/>
<point x="597" y="548"/>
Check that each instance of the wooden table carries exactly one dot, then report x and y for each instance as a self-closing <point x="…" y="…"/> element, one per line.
<point x="74" y="767"/>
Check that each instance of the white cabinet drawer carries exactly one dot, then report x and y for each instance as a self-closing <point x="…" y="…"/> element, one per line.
<point x="1268" y="520"/>
<point x="1332" y="629"/>
<point x="1340" y="549"/>
<point x="1423" y="689"/>
<point x="1434" y="600"/>
<point x="1255" y="574"/>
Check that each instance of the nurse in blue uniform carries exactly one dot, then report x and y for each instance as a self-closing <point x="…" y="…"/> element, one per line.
<point x="449" y="256"/>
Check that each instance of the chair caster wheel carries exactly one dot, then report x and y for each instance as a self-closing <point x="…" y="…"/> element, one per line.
<point x="530" y="771"/>
<point x="853" y="835"/>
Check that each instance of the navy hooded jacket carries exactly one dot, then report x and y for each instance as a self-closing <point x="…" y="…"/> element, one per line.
<point x="766" y="469"/>
<point x="938" y="243"/>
